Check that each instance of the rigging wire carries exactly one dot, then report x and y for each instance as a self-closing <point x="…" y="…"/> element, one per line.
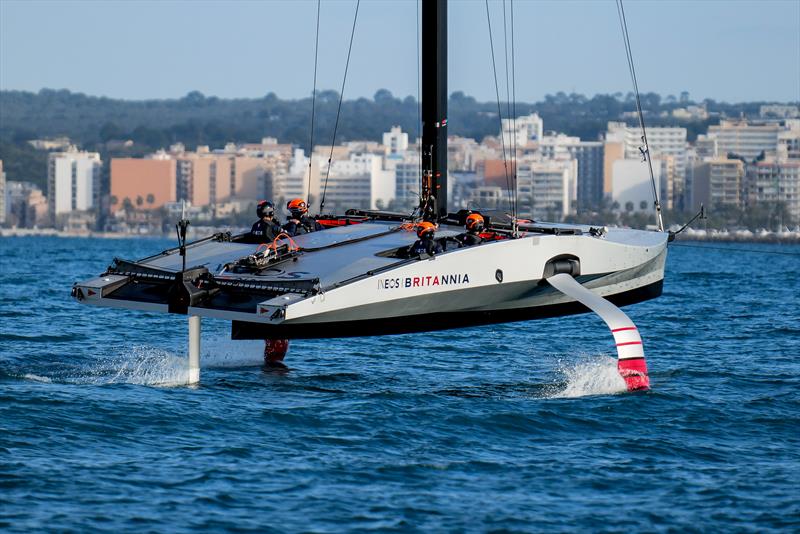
<point x="512" y="139"/>
<point x="646" y="149"/>
<point x="313" y="105"/>
<point x="339" y="109"/>
<point x="515" y="224"/>
<point x="419" y="102"/>
<point x="499" y="111"/>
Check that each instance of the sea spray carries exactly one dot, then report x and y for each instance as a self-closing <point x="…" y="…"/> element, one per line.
<point x="590" y="375"/>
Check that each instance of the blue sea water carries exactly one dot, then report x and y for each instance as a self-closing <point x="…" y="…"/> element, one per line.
<point x="516" y="427"/>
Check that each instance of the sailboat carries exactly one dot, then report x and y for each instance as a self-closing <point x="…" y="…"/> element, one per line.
<point x="355" y="278"/>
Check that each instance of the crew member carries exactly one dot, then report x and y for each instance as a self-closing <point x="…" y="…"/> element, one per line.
<point x="266" y="228"/>
<point x="474" y="226"/>
<point x="426" y="244"/>
<point x="299" y="222"/>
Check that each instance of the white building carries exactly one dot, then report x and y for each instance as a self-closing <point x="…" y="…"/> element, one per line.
<point x="522" y="131"/>
<point x="630" y="182"/>
<point x="293" y="182"/>
<point x="663" y="141"/>
<point x="744" y="138"/>
<point x="589" y="156"/>
<point x="73" y="182"/>
<point x="395" y="141"/>
<point x="779" y="111"/>
<point x="775" y="181"/>
<point x="407" y="182"/>
<point x="359" y="181"/>
<point x="546" y="189"/>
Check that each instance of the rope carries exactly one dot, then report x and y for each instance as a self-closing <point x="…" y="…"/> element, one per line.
<point x="313" y="103"/>
<point x="499" y="112"/>
<point x="291" y="245"/>
<point x="339" y="109"/>
<point x="646" y="151"/>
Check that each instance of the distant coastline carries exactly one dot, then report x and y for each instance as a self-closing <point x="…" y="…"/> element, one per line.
<point x="719" y="236"/>
<point x="742" y="236"/>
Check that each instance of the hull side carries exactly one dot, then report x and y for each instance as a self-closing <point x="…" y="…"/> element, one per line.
<point x="432" y="321"/>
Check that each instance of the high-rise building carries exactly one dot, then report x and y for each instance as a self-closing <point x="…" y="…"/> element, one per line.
<point x="407" y="182"/>
<point x="521" y="132"/>
<point x="359" y="181"/>
<point x="775" y="181"/>
<point x="26" y="205"/>
<point x="718" y="181"/>
<point x="395" y="141"/>
<point x="546" y="188"/>
<point x="73" y="181"/>
<point x="745" y="139"/>
<point x="143" y="183"/>
<point x="590" y="158"/>
<point x="662" y="141"/>
<point x="631" y="187"/>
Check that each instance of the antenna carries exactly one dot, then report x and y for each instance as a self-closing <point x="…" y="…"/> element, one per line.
<point x="181" y="227"/>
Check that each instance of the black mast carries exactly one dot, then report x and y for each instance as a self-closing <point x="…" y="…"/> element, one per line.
<point x="434" y="109"/>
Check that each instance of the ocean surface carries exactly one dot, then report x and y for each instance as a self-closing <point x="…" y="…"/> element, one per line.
<point x="516" y="427"/>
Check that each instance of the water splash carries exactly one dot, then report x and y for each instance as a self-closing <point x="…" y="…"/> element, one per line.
<point x="150" y="366"/>
<point x="591" y="375"/>
<point x="142" y="365"/>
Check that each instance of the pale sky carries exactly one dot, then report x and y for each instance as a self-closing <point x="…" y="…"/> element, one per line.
<point x="726" y="50"/>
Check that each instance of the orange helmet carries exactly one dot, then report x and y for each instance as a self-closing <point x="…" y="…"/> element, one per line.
<point x="297" y="205"/>
<point x="425" y="227"/>
<point x="474" y="222"/>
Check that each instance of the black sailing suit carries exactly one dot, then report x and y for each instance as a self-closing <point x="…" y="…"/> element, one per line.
<point x="264" y="231"/>
<point x="304" y="225"/>
<point x="427" y="245"/>
<point x="469" y="239"/>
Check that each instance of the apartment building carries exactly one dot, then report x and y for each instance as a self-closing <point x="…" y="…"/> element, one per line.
<point x="73" y="181"/>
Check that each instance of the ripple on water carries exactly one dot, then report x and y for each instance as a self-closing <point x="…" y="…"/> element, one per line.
<point x="524" y="426"/>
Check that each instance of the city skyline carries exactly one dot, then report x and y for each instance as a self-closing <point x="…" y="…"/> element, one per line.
<point x="246" y="49"/>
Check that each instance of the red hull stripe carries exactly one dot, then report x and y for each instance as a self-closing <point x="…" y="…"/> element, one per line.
<point x="629" y="343"/>
<point x="623" y="329"/>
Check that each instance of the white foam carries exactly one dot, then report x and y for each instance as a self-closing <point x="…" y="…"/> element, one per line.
<point x="37" y="378"/>
<point x="150" y="366"/>
<point x="592" y="375"/>
<point x="143" y="366"/>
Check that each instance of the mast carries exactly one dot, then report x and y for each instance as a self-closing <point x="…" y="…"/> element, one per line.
<point x="434" y="109"/>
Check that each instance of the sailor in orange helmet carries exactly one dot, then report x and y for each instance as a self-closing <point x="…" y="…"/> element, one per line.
<point x="299" y="222"/>
<point x="426" y="244"/>
<point x="474" y="226"/>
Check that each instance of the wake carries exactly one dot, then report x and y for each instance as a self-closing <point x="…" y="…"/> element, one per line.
<point x="151" y="366"/>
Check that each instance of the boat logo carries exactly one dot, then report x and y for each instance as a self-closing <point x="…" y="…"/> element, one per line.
<point x="423" y="281"/>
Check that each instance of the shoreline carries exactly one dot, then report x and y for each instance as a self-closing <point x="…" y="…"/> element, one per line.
<point x="715" y="236"/>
